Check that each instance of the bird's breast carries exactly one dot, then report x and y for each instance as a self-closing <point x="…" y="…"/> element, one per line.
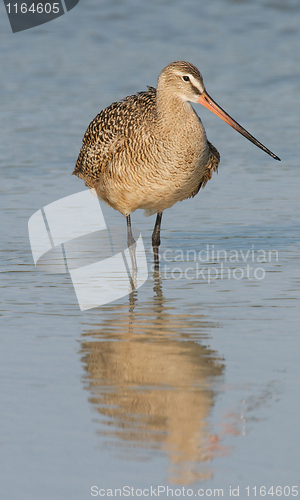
<point x="159" y="164"/>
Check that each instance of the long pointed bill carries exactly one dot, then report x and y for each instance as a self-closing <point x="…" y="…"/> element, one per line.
<point x="210" y="104"/>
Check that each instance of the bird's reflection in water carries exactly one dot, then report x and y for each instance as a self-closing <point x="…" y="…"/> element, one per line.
<point x="153" y="380"/>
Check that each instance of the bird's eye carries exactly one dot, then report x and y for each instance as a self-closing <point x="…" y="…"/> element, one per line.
<point x="186" y="78"/>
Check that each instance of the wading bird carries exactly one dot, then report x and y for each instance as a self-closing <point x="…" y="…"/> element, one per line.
<point x="150" y="150"/>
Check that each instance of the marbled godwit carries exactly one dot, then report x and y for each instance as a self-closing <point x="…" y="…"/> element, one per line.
<point x="150" y="150"/>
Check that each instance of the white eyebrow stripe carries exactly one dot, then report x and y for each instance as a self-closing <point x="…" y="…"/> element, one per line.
<point x="196" y="83"/>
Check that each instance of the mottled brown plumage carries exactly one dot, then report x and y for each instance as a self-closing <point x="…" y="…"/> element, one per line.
<point x="150" y="150"/>
<point x="112" y="131"/>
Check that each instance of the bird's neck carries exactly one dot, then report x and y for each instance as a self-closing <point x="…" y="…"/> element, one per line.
<point x="177" y="119"/>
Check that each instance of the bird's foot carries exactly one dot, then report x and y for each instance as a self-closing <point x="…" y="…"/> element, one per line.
<point x="156" y="257"/>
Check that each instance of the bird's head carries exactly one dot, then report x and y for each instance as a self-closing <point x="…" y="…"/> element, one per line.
<point x="183" y="80"/>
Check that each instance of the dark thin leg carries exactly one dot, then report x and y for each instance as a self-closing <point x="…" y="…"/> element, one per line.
<point x="156" y="231"/>
<point x="132" y="247"/>
<point x="156" y="238"/>
<point x="130" y="238"/>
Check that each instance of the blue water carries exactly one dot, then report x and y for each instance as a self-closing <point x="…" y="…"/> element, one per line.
<point x="184" y="383"/>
